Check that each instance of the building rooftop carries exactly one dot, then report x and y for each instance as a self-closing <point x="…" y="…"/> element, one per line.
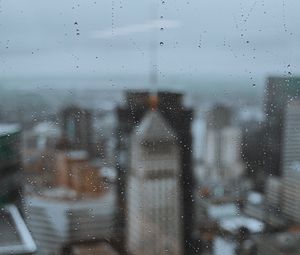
<point x="96" y="248"/>
<point x="255" y="198"/>
<point x="282" y="243"/>
<point x="6" y="129"/>
<point x="220" y="211"/>
<point x="77" y="154"/>
<point x="235" y="223"/>
<point x="14" y="235"/>
<point x="154" y="127"/>
<point x="47" y="128"/>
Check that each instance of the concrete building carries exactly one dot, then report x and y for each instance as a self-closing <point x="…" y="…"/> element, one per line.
<point x="291" y="162"/>
<point x="129" y="115"/>
<point x="286" y="243"/>
<point x="78" y="207"/>
<point x="74" y="171"/>
<point x="10" y="165"/>
<point x="279" y="91"/>
<point x="222" y="153"/>
<point x="60" y="216"/>
<point x="291" y="137"/>
<point x="90" y="248"/>
<point x="38" y="152"/>
<point x="154" y="211"/>
<point x="274" y="191"/>
<point x="77" y="129"/>
<point x="291" y="195"/>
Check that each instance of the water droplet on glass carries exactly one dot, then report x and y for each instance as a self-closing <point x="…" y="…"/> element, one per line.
<point x="161" y="43"/>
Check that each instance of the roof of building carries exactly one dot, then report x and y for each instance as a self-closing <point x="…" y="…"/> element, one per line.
<point x="47" y="128"/>
<point x="255" y="198"/>
<point x="14" y="235"/>
<point x="97" y="248"/>
<point x="6" y="129"/>
<point x="154" y="127"/>
<point x="281" y="243"/>
<point x="234" y="223"/>
<point x="77" y="154"/>
<point x="220" y="211"/>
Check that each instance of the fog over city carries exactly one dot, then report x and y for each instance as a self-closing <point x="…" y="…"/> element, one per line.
<point x="199" y="41"/>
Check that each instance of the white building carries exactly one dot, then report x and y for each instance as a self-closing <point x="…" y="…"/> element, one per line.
<point x="56" y="217"/>
<point x="222" y="158"/>
<point x="291" y="162"/>
<point x="154" y="214"/>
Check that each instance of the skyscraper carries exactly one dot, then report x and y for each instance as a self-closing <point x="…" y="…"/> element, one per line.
<point x="10" y="165"/>
<point x="291" y="162"/>
<point x="222" y="148"/>
<point x="171" y="107"/>
<point x="77" y="128"/>
<point x="279" y="91"/>
<point x="154" y="213"/>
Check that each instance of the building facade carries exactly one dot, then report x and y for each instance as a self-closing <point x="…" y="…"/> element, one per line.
<point x="279" y="91"/>
<point x="10" y="165"/>
<point x="154" y="213"/>
<point x="222" y="160"/>
<point x="77" y="128"/>
<point x="291" y="162"/>
<point x="58" y="217"/>
<point x="171" y="107"/>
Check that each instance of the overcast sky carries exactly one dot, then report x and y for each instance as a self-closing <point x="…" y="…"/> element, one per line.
<point x="193" y="38"/>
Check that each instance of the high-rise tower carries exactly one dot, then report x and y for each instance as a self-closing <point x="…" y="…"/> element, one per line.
<point x="291" y="162"/>
<point x="170" y="106"/>
<point x="77" y="128"/>
<point x="222" y="148"/>
<point x="154" y="213"/>
<point x="279" y="91"/>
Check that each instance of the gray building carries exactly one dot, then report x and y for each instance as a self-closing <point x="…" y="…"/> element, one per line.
<point x="279" y="91"/>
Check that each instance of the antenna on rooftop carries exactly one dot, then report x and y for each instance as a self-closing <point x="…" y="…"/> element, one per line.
<point x="153" y="69"/>
<point x="153" y="50"/>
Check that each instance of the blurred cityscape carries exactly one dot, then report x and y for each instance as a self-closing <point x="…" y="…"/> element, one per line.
<point x="136" y="172"/>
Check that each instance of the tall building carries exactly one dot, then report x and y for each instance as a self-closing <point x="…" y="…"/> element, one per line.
<point x="291" y="136"/>
<point x="171" y="107"/>
<point x="222" y="158"/>
<point x="77" y="128"/>
<point x="10" y="165"/>
<point x="154" y="212"/>
<point x="291" y="162"/>
<point x="279" y="91"/>
<point x="291" y="193"/>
